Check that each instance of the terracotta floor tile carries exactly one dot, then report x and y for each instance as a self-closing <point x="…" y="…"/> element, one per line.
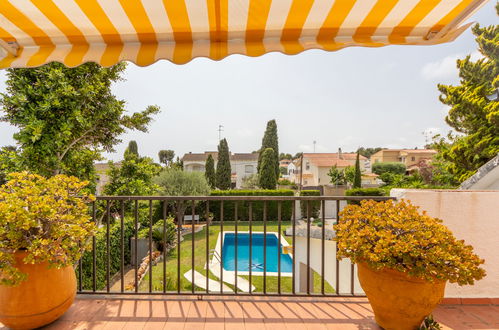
<point x="251" y="313"/>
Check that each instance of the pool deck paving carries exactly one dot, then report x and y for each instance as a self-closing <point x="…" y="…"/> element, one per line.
<point x="273" y="313"/>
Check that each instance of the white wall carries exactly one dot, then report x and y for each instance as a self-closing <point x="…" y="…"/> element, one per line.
<point x="330" y="265"/>
<point x="472" y="216"/>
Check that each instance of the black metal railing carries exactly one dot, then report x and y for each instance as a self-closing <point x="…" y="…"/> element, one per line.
<point x="134" y="253"/>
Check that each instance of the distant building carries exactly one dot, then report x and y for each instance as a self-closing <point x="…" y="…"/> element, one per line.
<point x="409" y="157"/>
<point x="317" y="165"/>
<point x="486" y="178"/>
<point x="284" y="163"/>
<point x="101" y="170"/>
<point x="242" y="164"/>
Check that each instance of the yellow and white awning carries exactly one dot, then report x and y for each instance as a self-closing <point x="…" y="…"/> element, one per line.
<point x="35" y="32"/>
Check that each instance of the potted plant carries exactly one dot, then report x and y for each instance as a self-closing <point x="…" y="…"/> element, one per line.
<point x="44" y="229"/>
<point x="404" y="259"/>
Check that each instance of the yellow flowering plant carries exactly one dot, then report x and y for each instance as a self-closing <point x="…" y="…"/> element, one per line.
<point x="396" y="235"/>
<point x="46" y="218"/>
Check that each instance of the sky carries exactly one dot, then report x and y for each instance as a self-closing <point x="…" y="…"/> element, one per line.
<point x="356" y="97"/>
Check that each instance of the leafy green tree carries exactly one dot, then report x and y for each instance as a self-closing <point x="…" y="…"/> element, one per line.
<point x="285" y="156"/>
<point x="210" y="171"/>
<point x="392" y="167"/>
<point x="297" y="155"/>
<point x="368" y="152"/>
<point x="175" y="182"/>
<point x="250" y="182"/>
<point x="270" y="140"/>
<point x="132" y="177"/>
<point x="8" y="162"/>
<point x="224" y="171"/>
<point x="267" y="178"/>
<point x="337" y="176"/>
<point x="133" y="147"/>
<point x="67" y="116"/>
<point x="166" y="157"/>
<point x="472" y="115"/>
<point x="349" y="173"/>
<point x="357" y="180"/>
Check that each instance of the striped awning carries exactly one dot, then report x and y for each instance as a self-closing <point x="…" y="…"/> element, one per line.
<point x="35" y="32"/>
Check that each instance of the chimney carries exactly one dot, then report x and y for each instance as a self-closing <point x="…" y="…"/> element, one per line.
<point x="340" y="154"/>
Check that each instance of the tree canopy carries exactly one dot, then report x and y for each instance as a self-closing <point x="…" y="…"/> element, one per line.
<point x="132" y="177"/>
<point x="267" y="178"/>
<point x="133" y="147"/>
<point x="67" y="116"/>
<point x="357" y="180"/>
<point x="368" y="152"/>
<point x="224" y="171"/>
<point x="209" y="172"/>
<point x="270" y="140"/>
<point x="473" y="117"/>
<point x="166" y="157"/>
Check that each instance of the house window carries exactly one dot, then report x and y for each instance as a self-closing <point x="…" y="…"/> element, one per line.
<point x="306" y="182"/>
<point x="248" y="169"/>
<point x="307" y="167"/>
<point x="413" y="158"/>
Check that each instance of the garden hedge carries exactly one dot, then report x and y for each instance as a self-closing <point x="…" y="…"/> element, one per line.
<point x="243" y="206"/>
<point x="314" y="205"/>
<point x="364" y="192"/>
<point x="115" y="254"/>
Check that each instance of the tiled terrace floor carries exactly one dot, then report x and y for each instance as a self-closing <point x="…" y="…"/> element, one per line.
<point x="250" y="313"/>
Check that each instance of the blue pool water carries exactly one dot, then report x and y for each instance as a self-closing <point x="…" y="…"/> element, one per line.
<point x="243" y="239"/>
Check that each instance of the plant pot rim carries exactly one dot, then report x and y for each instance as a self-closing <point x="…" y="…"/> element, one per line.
<point x="391" y="272"/>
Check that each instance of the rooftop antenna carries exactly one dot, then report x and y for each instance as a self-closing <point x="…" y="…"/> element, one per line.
<point x="220" y="130"/>
<point x="314" y="145"/>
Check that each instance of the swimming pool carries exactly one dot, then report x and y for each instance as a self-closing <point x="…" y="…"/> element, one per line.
<point x="257" y="251"/>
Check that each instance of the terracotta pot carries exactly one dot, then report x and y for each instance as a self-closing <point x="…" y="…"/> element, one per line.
<point x="399" y="301"/>
<point x="41" y="299"/>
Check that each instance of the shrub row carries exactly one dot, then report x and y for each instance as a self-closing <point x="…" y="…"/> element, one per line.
<point x="315" y="206"/>
<point x="257" y="206"/>
<point x="364" y="192"/>
<point x="101" y="254"/>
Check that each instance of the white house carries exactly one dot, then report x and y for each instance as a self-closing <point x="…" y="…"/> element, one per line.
<point x="242" y="164"/>
<point x="486" y="178"/>
<point x="317" y="165"/>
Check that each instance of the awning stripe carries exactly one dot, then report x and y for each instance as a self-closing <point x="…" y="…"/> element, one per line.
<point x="369" y="25"/>
<point x="293" y="27"/>
<point x="144" y="31"/>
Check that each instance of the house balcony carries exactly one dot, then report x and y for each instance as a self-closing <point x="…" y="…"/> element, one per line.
<point x="248" y="262"/>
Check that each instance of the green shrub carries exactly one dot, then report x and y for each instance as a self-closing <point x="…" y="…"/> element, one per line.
<point x="315" y="206"/>
<point x="364" y="192"/>
<point x="101" y="253"/>
<point x="257" y="208"/>
<point x="395" y="168"/>
<point x="158" y="232"/>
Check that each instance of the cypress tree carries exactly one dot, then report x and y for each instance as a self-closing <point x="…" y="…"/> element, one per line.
<point x="267" y="178"/>
<point x="133" y="148"/>
<point x="210" y="171"/>
<point x="223" y="173"/>
<point x="357" y="180"/>
<point x="270" y="140"/>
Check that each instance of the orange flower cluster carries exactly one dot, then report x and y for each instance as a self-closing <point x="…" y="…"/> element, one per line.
<point x="396" y="236"/>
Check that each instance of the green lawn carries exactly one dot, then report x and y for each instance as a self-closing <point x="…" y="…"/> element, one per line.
<point x="200" y="261"/>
